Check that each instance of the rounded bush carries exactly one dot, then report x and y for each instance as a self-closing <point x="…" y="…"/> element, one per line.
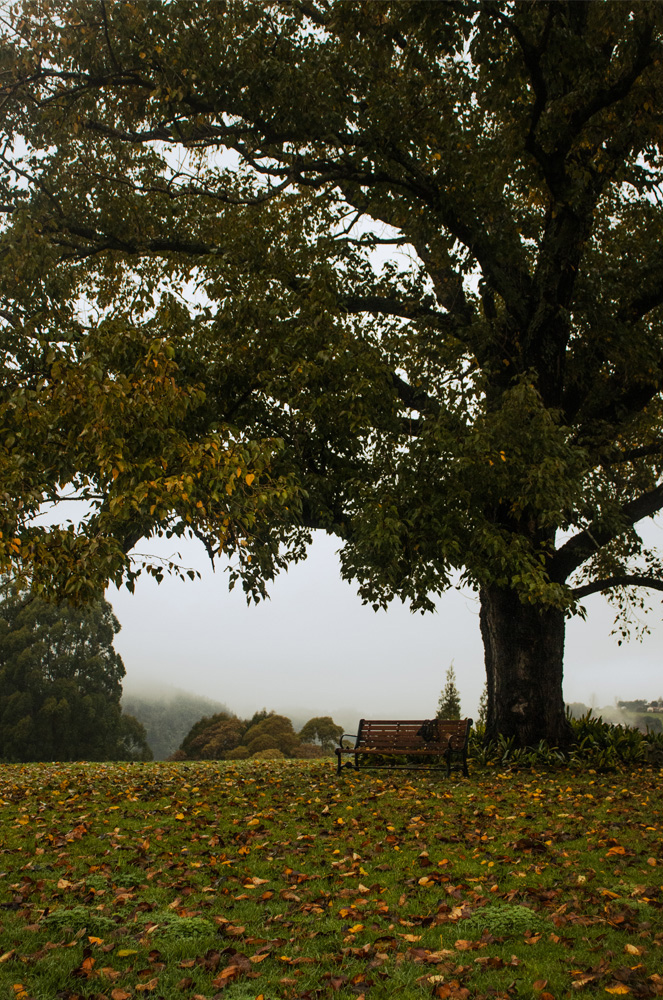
<point x="272" y="754"/>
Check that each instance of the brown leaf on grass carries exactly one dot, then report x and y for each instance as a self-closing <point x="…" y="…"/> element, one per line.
<point x="119" y="994"/>
<point x="490" y="962"/>
<point x="464" y="945"/>
<point x="582" y="979"/>
<point x="233" y="931"/>
<point x="7" y="955"/>
<point x="86" y="968"/>
<point x="539" y="984"/>
<point x="451" y="991"/>
<point x="147" y="987"/>
<point x="226" y="976"/>
<point x="108" y="972"/>
<point x="185" y="984"/>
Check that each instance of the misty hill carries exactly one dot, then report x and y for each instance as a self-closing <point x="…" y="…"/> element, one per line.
<point x="168" y="714"/>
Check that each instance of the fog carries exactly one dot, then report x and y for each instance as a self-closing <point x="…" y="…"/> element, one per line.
<point x="313" y="649"/>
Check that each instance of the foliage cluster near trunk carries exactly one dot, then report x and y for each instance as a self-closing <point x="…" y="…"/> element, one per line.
<point x="388" y="270"/>
<point x="276" y="880"/>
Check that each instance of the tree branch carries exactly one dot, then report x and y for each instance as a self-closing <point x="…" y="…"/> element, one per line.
<point x="583" y="545"/>
<point x="624" y="580"/>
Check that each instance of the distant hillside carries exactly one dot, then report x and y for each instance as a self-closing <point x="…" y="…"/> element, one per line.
<point x="167" y="714"/>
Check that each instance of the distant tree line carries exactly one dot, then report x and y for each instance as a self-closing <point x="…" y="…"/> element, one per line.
<point x="265" y="735"/>
<point x="168" y="715"/>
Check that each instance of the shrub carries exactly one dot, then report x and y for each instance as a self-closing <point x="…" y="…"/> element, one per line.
<point x="272" y="754"/>
<point x="596" y="744"/>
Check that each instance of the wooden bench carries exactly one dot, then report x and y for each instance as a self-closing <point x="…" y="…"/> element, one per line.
<point x="446" y="739"/>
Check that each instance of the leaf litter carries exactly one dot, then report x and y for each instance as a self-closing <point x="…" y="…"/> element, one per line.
<point x="278" y="880"/>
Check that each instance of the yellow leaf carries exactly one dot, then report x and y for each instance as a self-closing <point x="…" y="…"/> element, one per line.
<point x="20" y="991"/>
<point x="179" y="816"/>
<point x="124" y="952"/>
<point x="249" y="479"/>
<point x="356" y="928"/>
<point x="619" y="988"/>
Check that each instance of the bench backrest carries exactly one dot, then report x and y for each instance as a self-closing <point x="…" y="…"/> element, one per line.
<point x="399" y="734"/>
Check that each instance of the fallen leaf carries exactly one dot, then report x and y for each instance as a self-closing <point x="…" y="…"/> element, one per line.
<point x="619" y="988"/>
<point x="226" y="975"/>
<point x="151" y="985"/>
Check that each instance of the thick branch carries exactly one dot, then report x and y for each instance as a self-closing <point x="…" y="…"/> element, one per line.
<point x="416" y="399"/>
<point x="625" y="580"/>
<point x="583" y="545"/>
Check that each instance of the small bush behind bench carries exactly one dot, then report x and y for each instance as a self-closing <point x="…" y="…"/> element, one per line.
<point x="377" y="739"/>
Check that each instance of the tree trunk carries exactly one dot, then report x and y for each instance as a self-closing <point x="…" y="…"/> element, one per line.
<point x="524" y="654"/>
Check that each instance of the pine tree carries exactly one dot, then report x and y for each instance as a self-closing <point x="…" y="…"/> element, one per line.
<point x="449" y="704"/>
<point x="482" y="711"/>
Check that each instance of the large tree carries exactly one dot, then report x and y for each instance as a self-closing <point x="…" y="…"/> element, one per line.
<point x="392" y="270"/>
<point x="61" y="683"/>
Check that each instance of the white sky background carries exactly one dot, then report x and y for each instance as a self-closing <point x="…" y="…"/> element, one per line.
<point x="314" y="649"/>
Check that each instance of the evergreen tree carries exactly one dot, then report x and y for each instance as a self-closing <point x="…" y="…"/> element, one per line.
<point x="482" y="711"/>
<point x="449" y="703"/>
<point x="61" y="682"/>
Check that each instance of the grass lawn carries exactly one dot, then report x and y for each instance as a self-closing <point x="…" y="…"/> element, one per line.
<point x="280" y="880"/>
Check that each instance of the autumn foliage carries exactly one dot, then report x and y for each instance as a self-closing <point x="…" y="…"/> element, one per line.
<point x="276" y="880"/>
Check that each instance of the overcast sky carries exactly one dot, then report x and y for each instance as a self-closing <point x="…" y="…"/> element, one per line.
<point x="313" y="649"/>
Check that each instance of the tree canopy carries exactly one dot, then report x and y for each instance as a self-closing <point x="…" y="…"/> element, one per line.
<point x="391" y="270"/>
<point x="61" y="683"/>
<point x="226" y="737"/>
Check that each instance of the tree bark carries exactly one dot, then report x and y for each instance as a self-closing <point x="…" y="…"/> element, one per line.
<point x="524" y="653"/>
